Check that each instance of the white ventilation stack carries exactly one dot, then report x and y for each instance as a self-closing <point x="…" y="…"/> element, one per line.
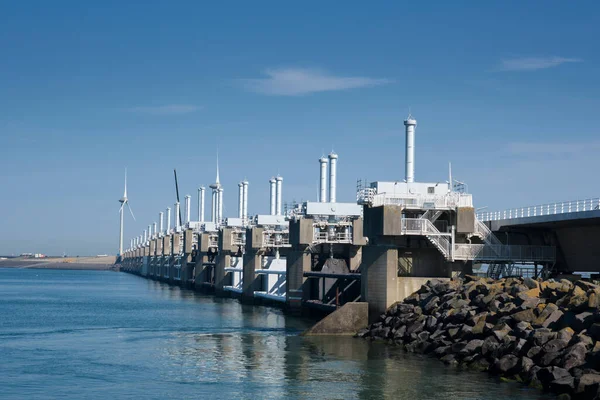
<point x="332" y="176"/>
<point x="155" y="235"/>
<point x="323" y="180"/>
<point x="220" y="210"/>
<point x="213" y="211"/>
<point x="201" y="204"/>
<point x="177" y="224"/>
<point x="149" y="232"/>
<point x="188" y="208"/>
<point x="168" y="221"/>
<point x="160" y="223"/>
<point x="273" y="184"/>
<point x="279" y="180"/>
<point x="145" y="235"/>
<point x="245" y="213"/>
<point x="240" y="200"/>
<point x="410" y="124"/>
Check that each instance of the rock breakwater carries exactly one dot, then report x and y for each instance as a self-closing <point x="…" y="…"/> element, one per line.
<point x="543" y="333"/>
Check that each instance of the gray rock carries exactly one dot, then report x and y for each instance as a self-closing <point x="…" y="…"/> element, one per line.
<point x="524" y="316"/>
<point x="501" y="330"/>
<point x="594" y="331"/>
<point x="555" y="345"/>
<point x="585" y="339"/>
<point x="530" y="283"/>
<point x="566" y="384"/>
<point x="473" y="346"/>
<point x="574" y="356"/>
<point x="526" y="364"/>
<point x="430" y="322"/>
<point x="552" y="319"/>
<point x="548" y="359"/>
<point x="431" y="304"/>
<point x="543" y="335"/>
<point x="549" y="374"/>
<point x="449" y="359"/>
<point x="508" y="364"/>
<point x="490" y="344"/>
<point x="442" y="351"/>
<point x="534" y="351"/>
<point x="588" y="384"/>
<point x="549" y="309"/>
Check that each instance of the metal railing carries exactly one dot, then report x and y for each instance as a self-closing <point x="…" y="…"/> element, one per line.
<point x="415" y="201"/>
<point x="512" y="253"/>
<point x="338" y="237"/>
<point x="276" y="239"/>
<point x="424" y="227"/>
<point x="542" y="209"/>
<point x="485" y="233"/>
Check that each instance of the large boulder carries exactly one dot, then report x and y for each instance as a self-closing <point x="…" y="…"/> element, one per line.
<point x="588" y="385"/>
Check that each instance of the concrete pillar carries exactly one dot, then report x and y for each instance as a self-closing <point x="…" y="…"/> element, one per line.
<point x="297" y="262"/>
<point x="379" y="275"/>
<point x="166" y="258"/>
<point x="175" y="249"/>
<point x="252" y="261"/>
<point x="187" y="268"/>
<point x="222" y="261"/>
<point x="201" y="272"/>
<point x="380" y="284"/>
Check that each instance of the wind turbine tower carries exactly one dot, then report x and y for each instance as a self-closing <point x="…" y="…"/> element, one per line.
<point x="124" y="201"/>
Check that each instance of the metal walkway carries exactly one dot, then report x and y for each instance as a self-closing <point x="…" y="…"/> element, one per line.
<point x="564" y="207"/>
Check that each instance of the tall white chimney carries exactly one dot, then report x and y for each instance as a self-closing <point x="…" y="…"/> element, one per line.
<point x="201" y="204"/>
<point x="273" y="184"/>
<point x="177" y="224"/>
<point x="145" y="236"/>
<point x="160" y="223"/>
<point x="150" y="232"/>
<point x="220" y="211"/>
<point x="240" y="200"/>
<point x="168" y="221"/>
<point x="410" y="124"/>
<point x="245" y="212"/>
<point x="213" y="212"/>
<point x="155" y="235"/>
<point x="188" y="208"/>
<point x="332" y="176"/>
<point x="279" y="180"/>
<point x="323" y="180"/>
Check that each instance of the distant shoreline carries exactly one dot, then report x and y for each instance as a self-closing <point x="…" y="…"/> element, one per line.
<point x="83" y="263"/>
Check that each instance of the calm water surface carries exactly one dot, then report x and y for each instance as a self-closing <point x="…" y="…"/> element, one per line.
<point x="98" y="335"/>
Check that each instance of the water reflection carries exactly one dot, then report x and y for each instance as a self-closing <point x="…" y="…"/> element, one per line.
<point x="118" y="336"/>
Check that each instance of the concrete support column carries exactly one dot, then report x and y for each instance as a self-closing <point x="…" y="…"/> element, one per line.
<point x="166" y="258"/>
<point x="175" y="250"/>
<point x="252" y="262"/>
<point x="297" y="262"/>
<point x="187" y="267"/>
<point x="201" y="272"/>
<point x="222" y="261"/>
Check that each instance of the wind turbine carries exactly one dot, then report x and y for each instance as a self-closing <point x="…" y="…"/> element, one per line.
<point x="123" y="200"/>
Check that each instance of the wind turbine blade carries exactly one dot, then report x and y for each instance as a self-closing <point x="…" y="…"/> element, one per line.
<point x="131" y="211"/>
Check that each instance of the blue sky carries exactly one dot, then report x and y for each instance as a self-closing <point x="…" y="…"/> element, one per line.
<point x="507" y="91"/>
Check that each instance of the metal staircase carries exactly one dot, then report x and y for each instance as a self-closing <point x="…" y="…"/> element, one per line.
<point x="424" y="227"/>
<point x="491" y="251"/>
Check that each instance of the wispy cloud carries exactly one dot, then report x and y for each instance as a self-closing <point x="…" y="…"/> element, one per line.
<point x="169" y="109"/>
<point x="299" y="81"/>
<point x="535" y="63"/>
